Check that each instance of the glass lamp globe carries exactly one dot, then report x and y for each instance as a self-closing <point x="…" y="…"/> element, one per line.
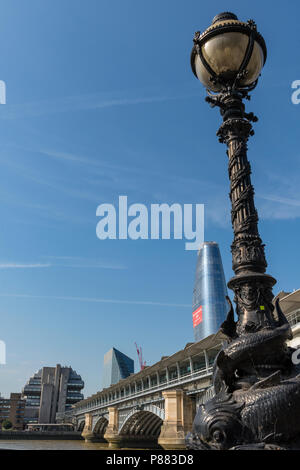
<point x="225" y="49"/>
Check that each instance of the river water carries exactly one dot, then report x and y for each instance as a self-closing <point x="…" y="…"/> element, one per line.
<point x="24" y="444"/>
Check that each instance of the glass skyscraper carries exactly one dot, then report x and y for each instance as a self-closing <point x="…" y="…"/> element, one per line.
<point x="116" y="366"/>
<point x="209" y="301"/>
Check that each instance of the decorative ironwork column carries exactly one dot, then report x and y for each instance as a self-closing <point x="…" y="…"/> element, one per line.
<point x="257" y="386"/>
<point x="252" y="287"/>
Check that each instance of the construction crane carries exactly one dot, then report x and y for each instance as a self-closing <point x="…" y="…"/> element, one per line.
<point x="140" y="356"/>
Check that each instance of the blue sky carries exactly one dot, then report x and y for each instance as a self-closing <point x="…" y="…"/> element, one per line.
<point x="101" y="102"/>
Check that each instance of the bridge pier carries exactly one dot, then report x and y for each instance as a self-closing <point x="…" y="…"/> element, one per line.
<point x="180" y="411"/>
<point x="87" y="432"/>
<point x="112" y="433"/>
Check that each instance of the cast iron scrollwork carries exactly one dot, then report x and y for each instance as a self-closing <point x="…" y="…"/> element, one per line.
<point x="257" y="386"/>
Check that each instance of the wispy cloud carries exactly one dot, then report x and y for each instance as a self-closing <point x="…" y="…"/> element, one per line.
<point x="140" y="180"/>
<point x="23" y="265"/>
<point x="81" y="102"/>
<point x="64" y="262"/>
<point x="282" y="200"/>
<point x="81" y="262"/>
<point x="97" y="300"/>
<point x="102" y="180"/>
<point x="56" y="183"/>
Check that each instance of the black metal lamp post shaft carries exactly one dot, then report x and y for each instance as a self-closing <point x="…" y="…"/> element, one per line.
<point x="227" y="57"/>
<point x="252" y="288"/>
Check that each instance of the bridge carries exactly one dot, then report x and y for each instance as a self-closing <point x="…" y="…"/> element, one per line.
<point x="154" y="407"/>
<point x="157" y="405"/>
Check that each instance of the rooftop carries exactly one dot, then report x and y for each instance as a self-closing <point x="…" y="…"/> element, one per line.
<point x="191" y="349"/>
<point x="289" y="301"/>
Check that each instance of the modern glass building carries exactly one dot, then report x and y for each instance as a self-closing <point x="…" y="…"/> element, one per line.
<point x="209" y="301"/>
<point x="116" y="366"/>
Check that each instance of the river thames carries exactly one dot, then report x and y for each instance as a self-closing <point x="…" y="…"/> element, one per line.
<point x="23" y="444"/>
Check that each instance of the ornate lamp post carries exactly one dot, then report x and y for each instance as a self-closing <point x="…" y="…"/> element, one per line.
<point x="227" y="58"/>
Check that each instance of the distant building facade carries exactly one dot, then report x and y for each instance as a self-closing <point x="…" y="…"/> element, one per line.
<point x="51" y="390"/>
<point x="210" y="290"/>
<point x="290" y="305"/>
<point x="116" y="366"/>
<point x="12" y="409"/>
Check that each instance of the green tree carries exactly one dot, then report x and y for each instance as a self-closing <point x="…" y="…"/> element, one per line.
<point x="6" y="424"/>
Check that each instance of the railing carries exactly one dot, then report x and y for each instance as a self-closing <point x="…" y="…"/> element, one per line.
<point x="294" y="317"/>
<point x="189" y="377"/>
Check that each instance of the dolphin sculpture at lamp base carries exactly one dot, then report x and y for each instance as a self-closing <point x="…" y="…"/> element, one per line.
<point x="257" y="401"/>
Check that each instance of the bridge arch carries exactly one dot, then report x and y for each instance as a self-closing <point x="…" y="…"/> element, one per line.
<point x="156" y="410"/>
<point x="100" y="427"/>
<point x="80" y="425"/>
<point x="142" y="425"/>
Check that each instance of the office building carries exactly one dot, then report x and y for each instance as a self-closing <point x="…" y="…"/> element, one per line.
<point x="116" y="366"/>
<point x="209" y="301"/>
<point x="51" y="390"/>
<point x="12" y="409"/>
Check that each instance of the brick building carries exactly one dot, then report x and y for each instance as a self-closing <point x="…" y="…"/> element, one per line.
<point x="13" y="409"/>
